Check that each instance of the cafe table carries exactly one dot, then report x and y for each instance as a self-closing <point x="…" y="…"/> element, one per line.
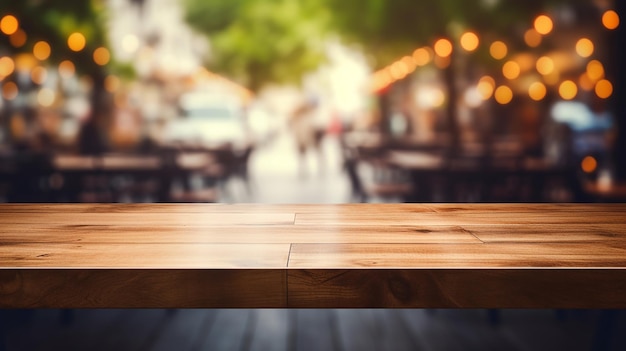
<point x="313" y="256"/>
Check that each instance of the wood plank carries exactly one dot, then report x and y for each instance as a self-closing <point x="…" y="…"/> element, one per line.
<point x="142" y="288"/>
<point x="389" y="218"/>
<point x="457" y="288"/>
<point x="552" y="233"/>
<point x="468" y="256"/>
<point x="268" y="234"/>
<point x="155" y="219"/>
<point x="203" y="256"/>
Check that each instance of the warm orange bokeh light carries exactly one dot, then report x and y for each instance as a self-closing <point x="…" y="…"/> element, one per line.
<point x="589" y="164"/>
<point x="422" y="56"/>
<point x="41" y="50"/>
<point x="498" y="50"/>
<point x="543" y="24"/>
<point x="545" y="65"/>
<point x="443" y="48"/>
<point x="112" y="83"/>
<point x="7" y="66"/>
<point x="511" y="70"/>
<point x="584" y="47"/>
<point x="18" y="39"/>
<point x="568" y="90"/>
<point x="39" y="75"/>
<point x="76" y="41"/>
<point x="585" y="82"/>
<point x="485" y="87"/>
<point x="604" y="89"/>
<point x="537" y="91"/>
<point x="469" y="41"/>
<point x="610" y="19"/>
<point x="9" y="91"/>
<point x="9" y="24"/>
<point x="101" y="56"/>
<point x="595" y="70"/>
<point x="503" y="95"/>
<point x="67" y="69"/>
<point x="532" y="38"/>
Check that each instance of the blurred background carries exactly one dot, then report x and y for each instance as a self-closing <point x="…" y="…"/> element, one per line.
<point x="312" y="101"/>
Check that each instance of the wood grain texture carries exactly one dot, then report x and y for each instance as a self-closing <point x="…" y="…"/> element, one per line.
<point x="141" y="288"/>
<point x="531" y="254"/>
<point x="457" y="288"/>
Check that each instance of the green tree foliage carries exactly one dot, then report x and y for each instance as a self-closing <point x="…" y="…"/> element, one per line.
<point x="257" y="42"/>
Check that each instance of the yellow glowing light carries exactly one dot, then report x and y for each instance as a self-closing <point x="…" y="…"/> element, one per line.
<point x="409" y="63"/>
<point x="398" y="70"/>
<point x="585" y="82"/>
<point x="438" y="98"/>
<point x="130" y="43"/>
<point x="38" y="75"/>
<point x="469" y="41"/>
<point x="543" y="24"/>
<point x="545" y="65"/>
<point x="7" y="66"/>
<point x="568" y="90"/>
<point x="511" y="70"/>
<point x="485" y="87"/>
<point x="498" y="50"/>
<point x="604" y="89"/>
<point x="503" y="95"/>
<point x="9" y="91"/>
<point x="443" y="48"/>
<point x="111" y="83"/>
<point x="584" y="47"/>
<point x="67" y="69"/>
<point x="18" y="39"/>
<point x="101" y="56"/>
<point x="610" y="19"/>
<point x="76" y="41"/>
<point x="46" y="97"/>
<point x="595" y="70"/>
<point x="25" y="62"/>
<point x="532" y="38"/>
<point x="537" y="91"/>
<point x="9" y="24"/>
<point x="421" y="56"/>
<point x="589" y="164"/>
<point x="41" y="50"/>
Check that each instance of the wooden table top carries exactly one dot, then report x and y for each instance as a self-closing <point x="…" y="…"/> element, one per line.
<point x="351" y="255"/>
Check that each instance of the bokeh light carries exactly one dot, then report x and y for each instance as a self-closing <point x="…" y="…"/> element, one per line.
<point x="610" y="19"/>
<point x="9" y="90"/>
<point x="18" y="39"/>
<point x="39" y="75"/>
<point x="604" y="89"/>
<point x="443" y="47"/>
<point x="543" y="24"/>
<point x="537" y="91"/>
<point x="130" y="43"/>
<point x="9" y="24"/>
<point x="503" y="95"/>
<point x="532" y="38"/>
<point x="422" y="56"/>
<point x="498" y="50"/>
<point x="585" y="82"/>
<point x="41" y="50"/>
<point x="511" y="70"/>
<point x="545" y="65"/>
<point x="469" y="41"/>
<point x="67" y="69"/>
<point x="76" y="41"/>
<point x="46" y="97"/>
<point x="584" y="47"/>
<point x="101" y="56"/>
<point x="589" y="164"/>
<point x="7" y="66"/>
<point x="485" y="87"/>
<point x="112" y="83"/>
<point x="595" y="70"/>
<point x="568" y="90"/>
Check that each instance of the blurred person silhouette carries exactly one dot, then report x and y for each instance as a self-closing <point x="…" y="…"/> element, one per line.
<point x="308" y="134"/>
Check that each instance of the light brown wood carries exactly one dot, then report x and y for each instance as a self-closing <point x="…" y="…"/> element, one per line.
<point x="356" y="255"/>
